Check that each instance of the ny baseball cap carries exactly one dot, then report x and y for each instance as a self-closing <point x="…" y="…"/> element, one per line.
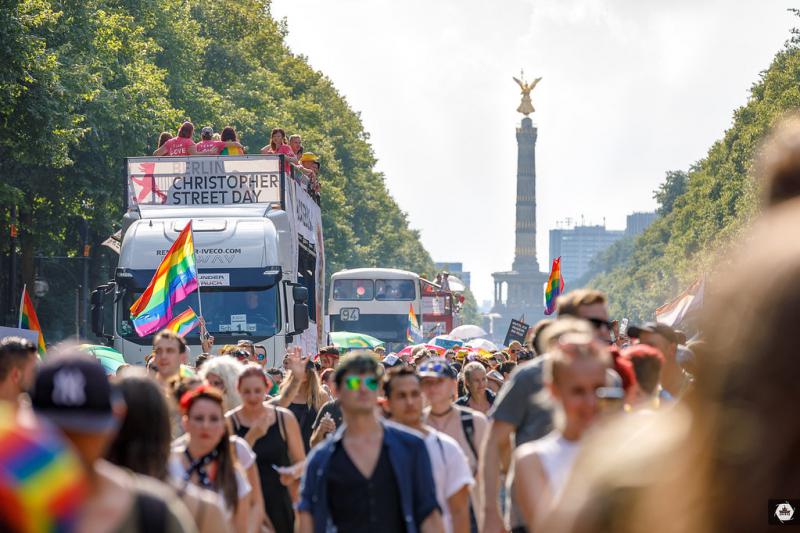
<point x="437" y="368"/>
<point x="73" y="392"/>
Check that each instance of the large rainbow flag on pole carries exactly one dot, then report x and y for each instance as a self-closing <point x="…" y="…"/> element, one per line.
<point x="184" y="322"/>
<point x="413" y="331"/>
<point x="554" y="287"/>
<point x="174" y="280"/>
<point x="29" y="320"/>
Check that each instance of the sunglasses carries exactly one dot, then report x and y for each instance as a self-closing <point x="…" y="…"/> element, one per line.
<point x="599" y="323"/>
<point x="354" y="383"/>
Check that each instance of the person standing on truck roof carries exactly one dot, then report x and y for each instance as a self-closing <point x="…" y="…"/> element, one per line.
<point x="229" y="134"/>
<point x="180" y="145"/>
<point x="277" y="145"/>
<point x="208" y="146"/>
<point x="164" y="137"/>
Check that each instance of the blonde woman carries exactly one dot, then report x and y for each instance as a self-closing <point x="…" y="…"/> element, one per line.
<point x="222" y="372"/>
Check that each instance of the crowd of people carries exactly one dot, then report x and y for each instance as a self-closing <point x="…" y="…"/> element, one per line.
<point x="304" y="166"/>
<point x="368" y="441"/>
<point x="584" y="428"/>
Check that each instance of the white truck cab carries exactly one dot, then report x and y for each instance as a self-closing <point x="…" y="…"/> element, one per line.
<point x="258" y="250"/>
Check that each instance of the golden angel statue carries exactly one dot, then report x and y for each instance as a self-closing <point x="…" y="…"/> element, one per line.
<point x="526" y="106"/>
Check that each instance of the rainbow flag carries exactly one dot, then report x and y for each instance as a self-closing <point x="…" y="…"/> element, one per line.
<point x="413" y="331"/>
<point x="174" y="280"/>
<point x="184" y="322"/>
<point x="42" y="482"/>
<point x="29" y="320"/>
<point x="554" y="287"/>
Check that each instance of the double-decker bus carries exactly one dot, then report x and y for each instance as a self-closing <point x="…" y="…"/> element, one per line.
<point x="377" y="301"/>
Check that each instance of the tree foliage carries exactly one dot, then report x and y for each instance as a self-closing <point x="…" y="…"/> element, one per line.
<point x="703" y="210"/>
<point x="86" y="84"/>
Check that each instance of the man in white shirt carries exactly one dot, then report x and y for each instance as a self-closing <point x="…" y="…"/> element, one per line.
<point x="451" y="470"/>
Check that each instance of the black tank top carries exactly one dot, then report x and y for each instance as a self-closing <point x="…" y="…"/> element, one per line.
<point x="272" y="449"/>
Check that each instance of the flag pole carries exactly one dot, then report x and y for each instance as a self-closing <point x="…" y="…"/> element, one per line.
<point x="21" y="304"/>
<point x="197" y="269"/>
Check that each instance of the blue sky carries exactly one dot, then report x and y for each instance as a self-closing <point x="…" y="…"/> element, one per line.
<point x="630" y="89"/>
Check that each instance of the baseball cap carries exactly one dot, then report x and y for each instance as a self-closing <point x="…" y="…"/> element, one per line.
<point x="308" y="156"/>
<point x="436" y="368"/>
<point x="208" y="130"/>
<point x="73" y="392"/>
<point x="495" y="376"/>
<point x="655" y="327"/>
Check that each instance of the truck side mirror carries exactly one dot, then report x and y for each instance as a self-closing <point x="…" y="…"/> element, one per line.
<point x="97" y="310"/>
<point x="300" y="318"/>
<point x="102" y="300"/>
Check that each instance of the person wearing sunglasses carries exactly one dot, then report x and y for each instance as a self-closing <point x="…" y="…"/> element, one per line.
<point x="591" y="305"/>
<point x="370" y="475"/>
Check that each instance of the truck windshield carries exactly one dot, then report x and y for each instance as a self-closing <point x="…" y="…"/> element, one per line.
<point x="227" y="311"/>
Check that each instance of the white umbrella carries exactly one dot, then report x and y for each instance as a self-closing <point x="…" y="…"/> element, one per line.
<point x="467" y="331"/>
<point x="482" y="344"/>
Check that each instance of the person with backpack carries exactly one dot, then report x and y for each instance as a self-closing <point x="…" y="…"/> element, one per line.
<point x="439" y="385"/>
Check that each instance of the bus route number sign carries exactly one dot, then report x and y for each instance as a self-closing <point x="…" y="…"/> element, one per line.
<point x="349" y="314"/>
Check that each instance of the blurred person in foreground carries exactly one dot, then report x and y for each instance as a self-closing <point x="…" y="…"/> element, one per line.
<point x="731" y="445"/>
<point x="574" y="371"/>
<point x="371" y="475"/>
<point x="403" y="401"/>
<point x="71" y="391"/>
<point x="142" y="445"/>
<point x="513" y="413"/>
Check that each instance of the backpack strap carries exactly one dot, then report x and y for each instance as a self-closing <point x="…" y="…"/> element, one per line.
<point x="281" y="425"/>
<point x="235" y="420"/>
<point x="468" y="426"/>
<point x="151" y="513"/>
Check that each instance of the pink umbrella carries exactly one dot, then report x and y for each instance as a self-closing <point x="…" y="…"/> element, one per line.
<point x="407" y="350"/>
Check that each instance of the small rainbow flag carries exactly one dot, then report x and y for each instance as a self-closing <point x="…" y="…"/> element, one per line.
<point x="184" y="322"/>
<point x="174" y="280"/>
<point x="29" y="320"/>
<point x="554" y="287"/>
<point x="413" y="331"/>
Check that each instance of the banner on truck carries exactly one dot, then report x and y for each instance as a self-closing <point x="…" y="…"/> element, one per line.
<point x="204" y="181"/>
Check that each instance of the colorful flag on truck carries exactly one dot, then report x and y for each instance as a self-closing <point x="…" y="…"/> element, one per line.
<point x="29" y="320"/>
<point x="174" y="280"/>
<point x="184" y="322"/>
<point x="413" y="331"/>
<point x="554" y="287"/>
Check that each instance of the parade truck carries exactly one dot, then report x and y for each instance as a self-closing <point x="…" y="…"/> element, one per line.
<point x="258" y="246"/>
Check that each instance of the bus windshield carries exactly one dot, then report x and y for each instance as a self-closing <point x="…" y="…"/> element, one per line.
<point x="227" y="311"/>
<point x="353" y="289"/>
<point x="395" y="289"/>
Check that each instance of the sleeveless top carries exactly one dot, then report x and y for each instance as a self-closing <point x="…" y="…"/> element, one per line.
<point x="305" y="415"/>
<point x="557" y="456"/>
<point x="272" y="449"/>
